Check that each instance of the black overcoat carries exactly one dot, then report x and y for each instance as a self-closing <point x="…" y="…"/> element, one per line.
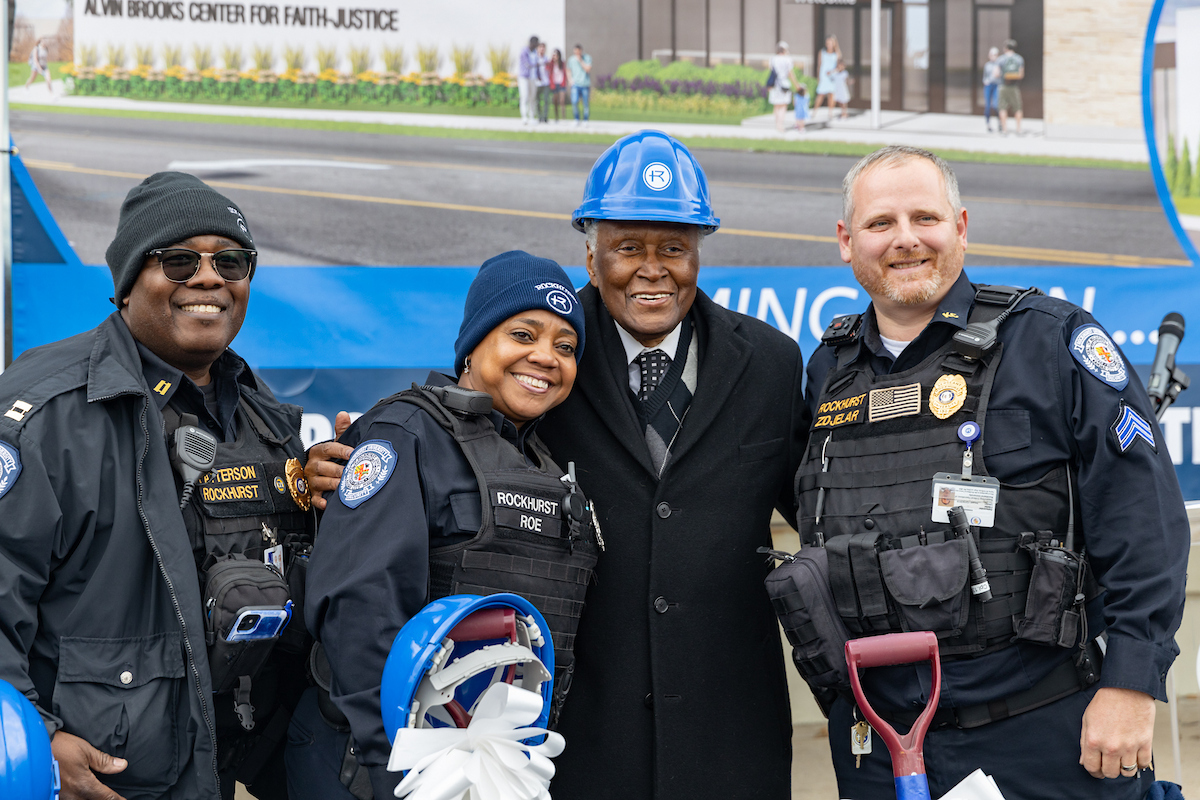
<point x="679" y="688"/>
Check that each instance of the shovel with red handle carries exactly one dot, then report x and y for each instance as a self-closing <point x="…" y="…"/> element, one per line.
<point x="908" y="763"/>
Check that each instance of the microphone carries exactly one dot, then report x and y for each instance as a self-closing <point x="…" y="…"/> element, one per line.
<point x="1170" y="334"/>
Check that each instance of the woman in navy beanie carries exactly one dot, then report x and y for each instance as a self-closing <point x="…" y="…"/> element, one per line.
<point x="447" y="490"/>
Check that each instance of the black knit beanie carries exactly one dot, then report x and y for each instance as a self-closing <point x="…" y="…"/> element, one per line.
<point x="162" y="210"/>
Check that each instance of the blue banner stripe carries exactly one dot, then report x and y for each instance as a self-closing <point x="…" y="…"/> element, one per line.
<point x="334" y="338"/>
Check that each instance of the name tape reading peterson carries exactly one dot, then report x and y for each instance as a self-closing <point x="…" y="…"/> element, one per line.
<point x="227" y="484"/>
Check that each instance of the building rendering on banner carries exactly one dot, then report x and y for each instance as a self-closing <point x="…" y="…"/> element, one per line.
<point x="1175" y="99"/>
<point x="1080" y="69"/>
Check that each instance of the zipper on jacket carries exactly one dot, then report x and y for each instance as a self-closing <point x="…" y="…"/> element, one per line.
<point x="187" y="643"/>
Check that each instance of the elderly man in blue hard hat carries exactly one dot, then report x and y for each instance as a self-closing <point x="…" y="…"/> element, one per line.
<point x="686" y="424"/>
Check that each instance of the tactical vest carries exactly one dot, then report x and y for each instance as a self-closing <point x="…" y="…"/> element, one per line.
<point x="538" y="535"/>
<point x="250" y="507"/>
<point x="253" y="498"/>
<point x="864" y="492"/>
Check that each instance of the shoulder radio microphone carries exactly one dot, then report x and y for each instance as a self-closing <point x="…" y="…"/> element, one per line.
<point x="193" y="453"/>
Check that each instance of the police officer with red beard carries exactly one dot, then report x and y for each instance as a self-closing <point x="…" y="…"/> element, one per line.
<point x="1033" y="422"/>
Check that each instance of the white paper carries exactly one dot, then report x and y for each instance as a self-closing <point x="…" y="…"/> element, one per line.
<point x="975" y="786"/>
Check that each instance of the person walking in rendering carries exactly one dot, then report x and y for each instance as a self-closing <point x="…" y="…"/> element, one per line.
<point x="803" y="112"/>
<point x="543" y="84"/>
<point x="579" y="69"/>
<point x="557" y="72"/>
<point x="780" y="94"/>
<point x="39" y="63"/>
<point x="826" y="65"/>
<point x="527" y="72"/>
<point x="841" y="89"/>
<point x="991" y="86"/>
<point x="1012" y="70"/>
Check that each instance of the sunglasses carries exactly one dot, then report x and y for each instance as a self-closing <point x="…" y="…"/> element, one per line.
<point x="180" y="265"/>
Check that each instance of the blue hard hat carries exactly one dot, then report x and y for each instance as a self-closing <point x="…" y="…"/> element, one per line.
<point x="28" y="771"/>
<point x="453" y="649"/>
<point x="649" y="176"/>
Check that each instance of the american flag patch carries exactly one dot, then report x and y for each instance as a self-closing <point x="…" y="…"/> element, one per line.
<point x="898" y="401"/>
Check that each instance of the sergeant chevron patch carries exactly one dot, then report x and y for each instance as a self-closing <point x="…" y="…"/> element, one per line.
<point x="1131" y="426"/>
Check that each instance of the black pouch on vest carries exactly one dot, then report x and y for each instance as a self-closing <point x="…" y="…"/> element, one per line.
<point x="233" y="584"/>
<point x="1053" y="607"/>
<point x="295" y="638"/>
<point x="928" y="585"/>
<point x="800" y="593"/>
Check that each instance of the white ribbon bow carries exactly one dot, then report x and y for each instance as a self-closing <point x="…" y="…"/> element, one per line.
<point x="484" y="761"/>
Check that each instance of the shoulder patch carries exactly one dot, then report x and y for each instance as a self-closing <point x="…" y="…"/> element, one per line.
<point x="10" y="467"/>
<point x="369" y="467"/>
<point x="1092" y="348"/>
<point x="1129" y="426"/>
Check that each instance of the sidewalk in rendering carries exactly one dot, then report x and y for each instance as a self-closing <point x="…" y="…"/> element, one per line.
<point x="936" y="131"/>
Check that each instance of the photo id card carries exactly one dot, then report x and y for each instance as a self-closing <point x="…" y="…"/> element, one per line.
<point x="273" y="557"/>
<point x="977" y="495"/>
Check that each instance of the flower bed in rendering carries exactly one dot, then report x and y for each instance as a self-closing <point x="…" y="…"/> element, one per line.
<point x="637" y="87"/>
<point x="293" y="86"/>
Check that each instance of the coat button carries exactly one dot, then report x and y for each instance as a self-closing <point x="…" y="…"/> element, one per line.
<point x="648" y="700"/>
<point x="869" y="524"/>
<point x="660" y="605"/>
<point x="663" y="510"/>
<point x="126" y="677"/>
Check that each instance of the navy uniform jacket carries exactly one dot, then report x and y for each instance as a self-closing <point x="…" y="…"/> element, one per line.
<point x="1047" y="408"/>
<point x="369" y="571"/>
<point x="102" y="624"/>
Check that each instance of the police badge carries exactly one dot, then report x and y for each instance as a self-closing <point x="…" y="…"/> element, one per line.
<point x="947" y="396"/>
<point x="297" y="485"/>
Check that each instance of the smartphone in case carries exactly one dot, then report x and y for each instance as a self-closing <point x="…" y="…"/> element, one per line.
<point x="259" y="622"/>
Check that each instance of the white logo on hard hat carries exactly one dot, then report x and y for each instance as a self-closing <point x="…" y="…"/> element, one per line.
<point x="657" y="176"/>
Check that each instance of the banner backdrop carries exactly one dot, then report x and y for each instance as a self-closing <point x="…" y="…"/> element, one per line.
<point x="328" y="24"/>
<point x="334" y="338"/>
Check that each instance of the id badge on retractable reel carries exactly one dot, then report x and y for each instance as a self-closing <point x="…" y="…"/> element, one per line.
<point x="976" y="494"/>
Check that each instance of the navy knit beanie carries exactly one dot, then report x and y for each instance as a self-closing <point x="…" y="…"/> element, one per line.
<point x="508" y="284"/>
<point x="162" y="210"/>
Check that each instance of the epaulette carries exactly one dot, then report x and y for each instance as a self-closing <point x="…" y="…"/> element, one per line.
<point x="842" y="330"/>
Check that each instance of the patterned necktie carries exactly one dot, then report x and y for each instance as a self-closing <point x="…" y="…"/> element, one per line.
<point x="653" y="365"/>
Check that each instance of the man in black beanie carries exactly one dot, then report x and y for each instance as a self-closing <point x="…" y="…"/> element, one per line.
<point x="147" y="478"/>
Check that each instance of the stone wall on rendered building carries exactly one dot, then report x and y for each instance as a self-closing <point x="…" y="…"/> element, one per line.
<point x="1093" y="62"/>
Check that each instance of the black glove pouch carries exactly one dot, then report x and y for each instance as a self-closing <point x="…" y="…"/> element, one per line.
<point x="1053" y="607"/>
<point x="928" y="585"/>
<point x="232" y="584"/>
<point x="800" y="593"/>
